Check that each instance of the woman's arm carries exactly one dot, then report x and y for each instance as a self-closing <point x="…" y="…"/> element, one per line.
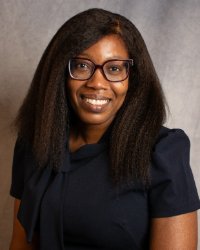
<point x="18" y="236"/>
<point x="174" y="233"/>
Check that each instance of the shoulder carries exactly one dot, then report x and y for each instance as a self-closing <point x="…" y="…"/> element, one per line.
<point x="22" y="166"/>
<point x="23" y="152"/>
<point x="171" y="139"/>
<point x="173" y="189"/>
<point x="171" y="153"/>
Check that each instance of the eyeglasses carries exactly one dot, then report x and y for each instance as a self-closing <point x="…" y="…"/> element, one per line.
<point x="113" y="70"/>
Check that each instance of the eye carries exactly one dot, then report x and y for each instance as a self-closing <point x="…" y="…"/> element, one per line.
<point x="115" y="68"/>
<point x="81" y="66"/>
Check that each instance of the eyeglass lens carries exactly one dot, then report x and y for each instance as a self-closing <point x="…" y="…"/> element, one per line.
<point x="113" y="70"/>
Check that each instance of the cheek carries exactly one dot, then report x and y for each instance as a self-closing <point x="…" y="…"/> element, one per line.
<point x="121" y="91"/>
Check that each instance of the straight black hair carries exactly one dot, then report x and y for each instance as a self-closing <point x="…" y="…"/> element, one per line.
<point x="43" y="118"/>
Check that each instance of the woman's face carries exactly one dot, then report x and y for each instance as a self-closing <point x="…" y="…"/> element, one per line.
<point x="97" y="100"/>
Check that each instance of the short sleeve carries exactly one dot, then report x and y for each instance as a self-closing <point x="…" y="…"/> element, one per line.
<point x="22" y="167"/>
<point x="173" y="190"/>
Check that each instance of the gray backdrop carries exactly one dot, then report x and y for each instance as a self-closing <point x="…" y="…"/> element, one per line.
<point x="172" y="34"/>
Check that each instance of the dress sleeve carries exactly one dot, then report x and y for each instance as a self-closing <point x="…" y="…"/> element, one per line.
<point x="173" y="190"/>
<point x="22" y="167"/>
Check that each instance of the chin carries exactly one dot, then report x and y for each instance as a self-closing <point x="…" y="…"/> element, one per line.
<point x="96" y="120"/>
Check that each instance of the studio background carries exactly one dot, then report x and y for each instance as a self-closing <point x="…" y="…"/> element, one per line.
<point x="170" y="29"/>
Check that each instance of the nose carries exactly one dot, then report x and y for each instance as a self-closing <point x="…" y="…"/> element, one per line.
<point x="98" y="80"/>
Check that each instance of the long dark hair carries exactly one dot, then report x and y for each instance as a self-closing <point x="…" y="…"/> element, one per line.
<point x="43" y="118"/>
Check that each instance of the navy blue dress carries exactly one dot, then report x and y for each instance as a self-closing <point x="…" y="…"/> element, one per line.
<point x="79" y="209"/>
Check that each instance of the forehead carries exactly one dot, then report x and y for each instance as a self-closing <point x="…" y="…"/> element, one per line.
<point x="108" y="47"/>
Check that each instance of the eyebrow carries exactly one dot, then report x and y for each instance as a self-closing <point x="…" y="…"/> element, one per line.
<point x="86" y="56"/>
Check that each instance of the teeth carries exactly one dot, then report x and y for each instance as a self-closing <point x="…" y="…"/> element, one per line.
<point x="96" y="102"/>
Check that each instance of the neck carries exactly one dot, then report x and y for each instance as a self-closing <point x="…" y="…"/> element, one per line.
<point x="88" y="133"/>
<point x="82" y="134"/>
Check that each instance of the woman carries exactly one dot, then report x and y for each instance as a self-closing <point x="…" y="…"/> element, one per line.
<point x="93" y="166"/>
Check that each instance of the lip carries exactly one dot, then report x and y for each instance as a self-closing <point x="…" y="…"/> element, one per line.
<point x="94" y="96"/>
<point x="94" y="108"/>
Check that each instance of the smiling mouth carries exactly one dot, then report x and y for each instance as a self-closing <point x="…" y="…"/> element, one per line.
<point x="97" y="101"/>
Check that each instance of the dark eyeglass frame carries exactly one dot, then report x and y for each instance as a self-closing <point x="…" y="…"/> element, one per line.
<point x="100" y="66"/>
